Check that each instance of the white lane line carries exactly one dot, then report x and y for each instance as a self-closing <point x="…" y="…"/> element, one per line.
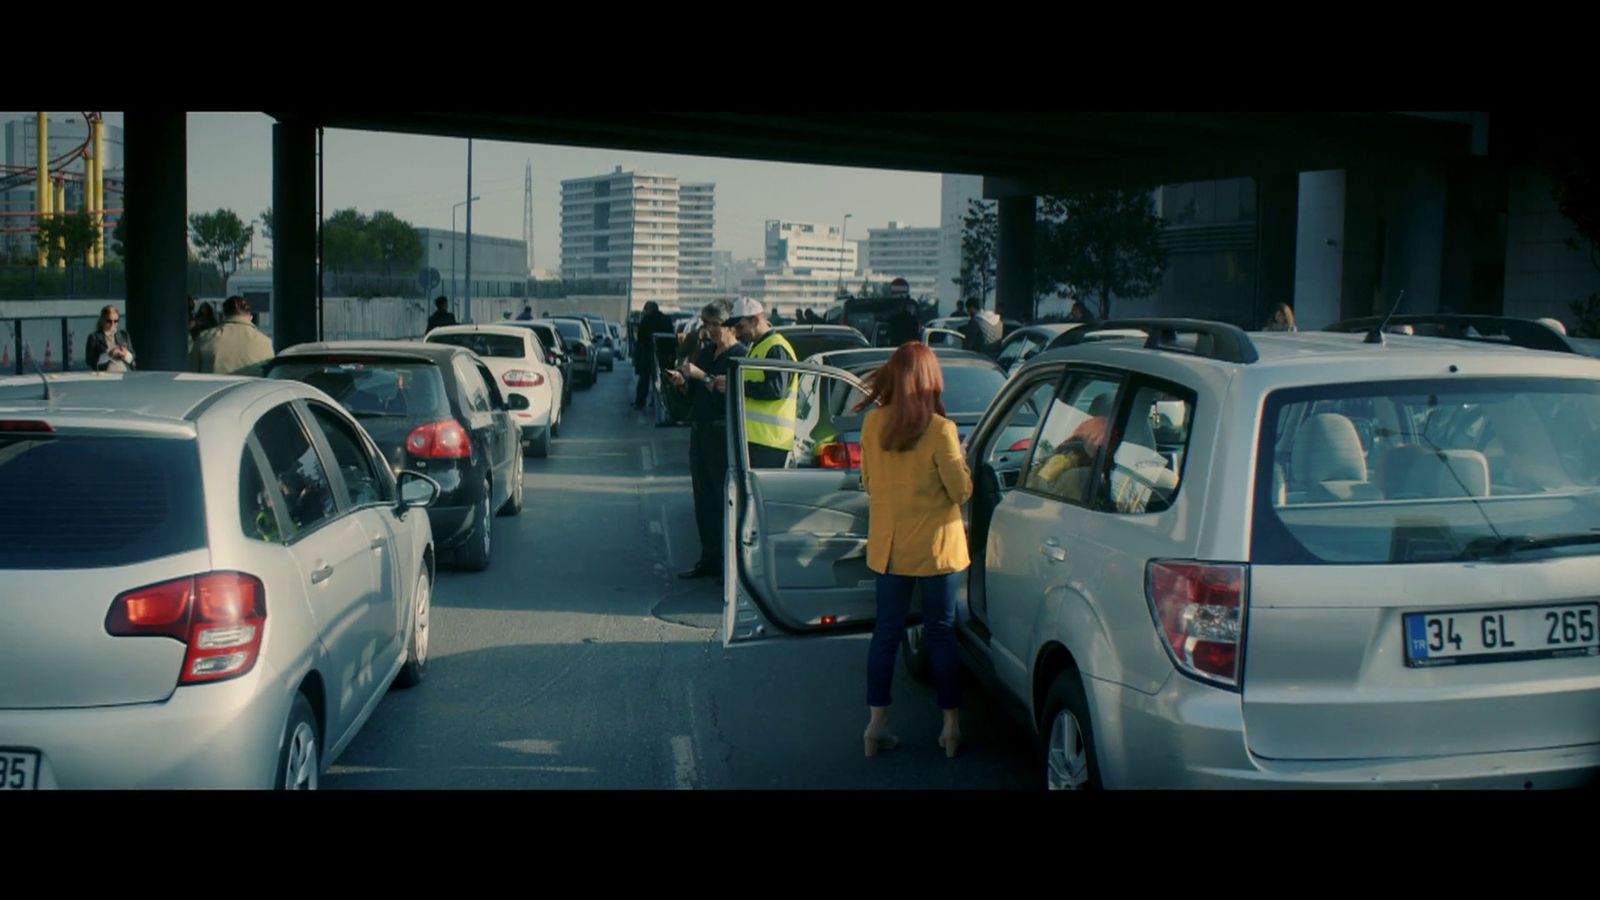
<point x="666" y="534"/>
<point x="682" y="763"/>
<point x="644" y="457"/>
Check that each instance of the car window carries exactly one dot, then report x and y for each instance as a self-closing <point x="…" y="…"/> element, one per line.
<point x="496" y="401"/>
<point x="823" y="438"/>
<point x="297" y="471"/>
<point x="1072" y="440"/>
<point x="492" y="346"/>
<point x="1013" y="350"/>
<point x="967" y="389"/>
<point x="474" y="393"/>
<point x="1147" y="464"/>
<point x="1009" y="444"/>
<point x="363" y="482"/>
<point x="258" y="517"/>
<point x="372" y="388"/>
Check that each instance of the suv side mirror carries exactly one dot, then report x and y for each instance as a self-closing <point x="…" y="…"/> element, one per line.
<point x="417" y="491"/>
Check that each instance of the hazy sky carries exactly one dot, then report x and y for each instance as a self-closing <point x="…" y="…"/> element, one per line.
<point x="419" y="178"/>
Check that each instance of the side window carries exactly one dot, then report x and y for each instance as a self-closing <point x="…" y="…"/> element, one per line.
<point x="496" y="399"/>
<point x="1009" y="444"/>
<point x="535" y="349"/>
<point x="1012" y="352"/>
<point x="827" y="435"/>
<point x="1073" y="439"/>
<point x="473" y="391"/>
<point x="258" y="518"/>
<point x="362" y="479"/>
<point x="296" y="470"/>
<point x="1148" y="460"/>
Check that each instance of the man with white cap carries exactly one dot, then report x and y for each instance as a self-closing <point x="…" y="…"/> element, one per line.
<point x="769" y="397"/>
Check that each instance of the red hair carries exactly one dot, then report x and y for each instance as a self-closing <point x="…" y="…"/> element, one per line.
<point x="910" y="388"/>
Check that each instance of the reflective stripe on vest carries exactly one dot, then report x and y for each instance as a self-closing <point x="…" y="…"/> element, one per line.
<point x="770" y="423"/>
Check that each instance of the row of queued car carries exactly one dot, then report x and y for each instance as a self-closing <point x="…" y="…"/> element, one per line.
<point x="228" y="573"/>
<point x="1209" y="558"/>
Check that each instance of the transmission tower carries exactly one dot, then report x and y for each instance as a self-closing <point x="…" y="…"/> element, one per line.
<point x="527" y="213"/>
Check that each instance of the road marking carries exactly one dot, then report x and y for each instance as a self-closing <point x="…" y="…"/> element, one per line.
<point x="666" y="534"/>
<point x="682" y="763"/>
<point x="646" y="458"/>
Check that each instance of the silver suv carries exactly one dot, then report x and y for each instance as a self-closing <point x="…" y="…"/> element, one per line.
<point x="1213" y="559"/>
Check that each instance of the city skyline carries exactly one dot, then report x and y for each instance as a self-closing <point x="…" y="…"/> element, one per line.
<point x="419" y="179"/>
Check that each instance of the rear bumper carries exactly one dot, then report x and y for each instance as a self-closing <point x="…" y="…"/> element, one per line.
<point x="452" y="525"/>
<point x="223" y="735"/>
<point x="1191" y="735"/>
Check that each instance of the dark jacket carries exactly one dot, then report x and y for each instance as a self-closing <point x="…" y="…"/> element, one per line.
<point x="97" y="347"/>
<point x="644" y="356"/>
<point x="440" y="319"/>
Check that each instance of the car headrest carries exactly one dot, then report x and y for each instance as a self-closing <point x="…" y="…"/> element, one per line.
<point x="1327" y="448"/>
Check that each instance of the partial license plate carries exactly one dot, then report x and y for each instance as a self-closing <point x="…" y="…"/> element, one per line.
<point x="19" y="770"/>
<point x="1456" y="637"/>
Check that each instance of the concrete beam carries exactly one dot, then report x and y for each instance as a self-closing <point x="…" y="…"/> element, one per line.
<point x="294" y="234"/>
<point x="1014" y="268"/>
<point x="155" y="157"/>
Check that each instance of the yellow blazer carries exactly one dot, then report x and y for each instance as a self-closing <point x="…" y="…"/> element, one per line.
<point x="915" y="500"/>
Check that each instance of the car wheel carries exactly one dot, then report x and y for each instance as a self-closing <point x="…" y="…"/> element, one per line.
<point x="1069" y="758"/>
<point x="555" y="424"/>
<point x="540" y="446"/>
<point x="914" y="654"/>
<point x="474" y="554"/>
<point x="299" y="760"/>
<point x="416" y="665"/>
<point x="513" y="504"/>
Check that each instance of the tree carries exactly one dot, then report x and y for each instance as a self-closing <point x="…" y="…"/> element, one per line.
<point x="221" y="238"/>
<point x="980" y="240"/>
<point x="1099" y="243"/>
<point x="266" y="223"/>
<point x="396" y="242"/>
<point x="1574" y="169"/>
<point x="345" y="242"/>
<point x="67" y="236"/>
<point x="119" y="237"/>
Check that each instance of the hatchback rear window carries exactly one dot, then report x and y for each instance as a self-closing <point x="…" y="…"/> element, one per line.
<point x="570" y="329"/>
<point x="372" y="388"/>
<point x="1429" y="471"/>
<point x="967" y="390"/>
<point x="501" y="346"/>
<point x="82" y="502"/>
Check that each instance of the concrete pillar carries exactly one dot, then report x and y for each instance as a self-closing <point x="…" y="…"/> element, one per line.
<point x="155" y="149"/>
<point x="1014" y="266"/>
<point x="294" y="234"/>
<point x="1414" y="212"/>
<point x="1277" y="221"/>
<point x="1319" y="249"/>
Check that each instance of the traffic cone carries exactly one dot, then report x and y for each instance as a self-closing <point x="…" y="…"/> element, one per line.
<point x="49" y="358"/>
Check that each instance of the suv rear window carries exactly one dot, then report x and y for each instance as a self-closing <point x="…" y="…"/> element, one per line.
<point x="84" y="502"/>
<point x="1427" y="471"/>
<point x="373" y="388"/>
<point x="500" y="346"/>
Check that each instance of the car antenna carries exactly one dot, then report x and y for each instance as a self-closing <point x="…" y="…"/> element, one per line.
<point x="48" y="397"/>
<point x="1375" y="336"/>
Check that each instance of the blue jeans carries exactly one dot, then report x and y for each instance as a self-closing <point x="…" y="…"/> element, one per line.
<point x="938" y="629"/>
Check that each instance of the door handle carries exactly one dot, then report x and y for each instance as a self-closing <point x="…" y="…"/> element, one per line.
<point x="378" y="541"/>
<point x="1053" y="551"/>
<point x="318" y="576"/>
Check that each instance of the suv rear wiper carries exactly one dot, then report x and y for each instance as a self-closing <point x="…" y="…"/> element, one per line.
<point x="1505" y="546"/>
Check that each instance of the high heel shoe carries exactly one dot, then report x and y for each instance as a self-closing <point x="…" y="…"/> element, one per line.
<point x="951" y="742"/>
<point x="876" y="742"/>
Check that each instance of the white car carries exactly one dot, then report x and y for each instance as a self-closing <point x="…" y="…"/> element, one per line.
<point x="205" y="581"/>
<point x="532" y="384"/>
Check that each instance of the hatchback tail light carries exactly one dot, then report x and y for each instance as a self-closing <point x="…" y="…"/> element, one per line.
<point x="24" y="425"/>
<point x="1023" y="444"/>
<point x="840" y="455"/>
<point x="439" y="440"/>
<point x="220" y="616"/>
<point x="522" y="378"/>
<point x="1199" y="609"/>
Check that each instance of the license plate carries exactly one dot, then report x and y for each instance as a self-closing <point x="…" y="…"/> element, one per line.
<point x="19" y="770"/>
<point x="1456" y="637"/>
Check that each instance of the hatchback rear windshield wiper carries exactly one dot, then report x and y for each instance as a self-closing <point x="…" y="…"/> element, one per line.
<point x="1505" y="546"/>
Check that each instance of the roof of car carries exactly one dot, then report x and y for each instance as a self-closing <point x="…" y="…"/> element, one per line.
<point x="496" y="328"/>
<point x="148" y="395"/>
<point x="435" y="353"/>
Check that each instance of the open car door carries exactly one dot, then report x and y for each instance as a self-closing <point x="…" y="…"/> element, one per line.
<point x="795" y="543"/>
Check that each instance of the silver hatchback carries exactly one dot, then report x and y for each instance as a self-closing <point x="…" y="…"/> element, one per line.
<point x="208" y="581"/>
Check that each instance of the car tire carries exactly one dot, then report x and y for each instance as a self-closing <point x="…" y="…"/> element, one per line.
<point x="416" y="664"/>
<point x="300" y="757"/>
<point x="473" y="556"/>
<point x="540" y="446"/>
<point x="914" y="655"/>
<point x="513" y="504"/>
<point x="1067" y="736"/>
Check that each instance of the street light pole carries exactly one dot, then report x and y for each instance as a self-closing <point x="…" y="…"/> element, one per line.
<point x="469" y="230"/>
<point x="844" y="228"/>
<point x="453" y="288"/>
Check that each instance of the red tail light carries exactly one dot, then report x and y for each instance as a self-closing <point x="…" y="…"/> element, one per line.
<point x="1023" y="444"/>
<point x="522" y="378"/>
<point x="11" y="425"/>
<point x="439" y="440"/>
<point x="1199" y="609"/>
<point x="840" y="456"/>
<point x="221" y="616"/>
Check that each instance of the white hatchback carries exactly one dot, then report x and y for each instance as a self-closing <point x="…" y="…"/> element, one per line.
<point x="531" y="383"/>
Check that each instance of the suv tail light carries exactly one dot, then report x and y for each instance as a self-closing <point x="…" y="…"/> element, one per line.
<point x="522" y="378"/>
<point x="1023" y="444"/>
<point x="220" y="616"/>
<point x="439" y="440"/>
<point x="840" y="456"/>
<point x="1199" y="609"/>
<point x="34" y="427"/>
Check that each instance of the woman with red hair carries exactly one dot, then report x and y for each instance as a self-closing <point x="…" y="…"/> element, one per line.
<point x="916" y="477"/>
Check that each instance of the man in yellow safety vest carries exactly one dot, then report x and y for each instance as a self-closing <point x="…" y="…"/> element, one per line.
<point x="769" y="397"/>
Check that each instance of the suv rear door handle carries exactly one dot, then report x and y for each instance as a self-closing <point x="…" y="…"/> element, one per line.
<point x="1053" y="551"/>
<point x="378" y="541"/>
<point x="318" y="576"/>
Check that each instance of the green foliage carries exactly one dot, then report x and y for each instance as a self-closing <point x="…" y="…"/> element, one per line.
<point x="68" y="236"/>
<point x="980" y="242"/>
<point x="1587" y="314"/>
<point x="221" y="238"/>
<point x="1099" y="243"/>
<point x="383" y="241"/>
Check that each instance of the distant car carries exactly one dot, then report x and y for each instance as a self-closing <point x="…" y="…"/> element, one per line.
<point x="532" y="386"/>
<point x="555" y="350"/>
<point x="616" y="339"/>
<point x="809" y="340"/>
<point x="205" y="581"/>
<point x="434" y="409"/>
<point x="581" y="346"/>
<point x="607" y="347"/>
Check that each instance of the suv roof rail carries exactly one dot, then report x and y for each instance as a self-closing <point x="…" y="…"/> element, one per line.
<point x="1214" y="340"/>
<point x="1502" y="330"/>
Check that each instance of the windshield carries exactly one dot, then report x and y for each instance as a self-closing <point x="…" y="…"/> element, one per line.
<point x="1428" y="471"/>
<point x="373" y="388"/>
